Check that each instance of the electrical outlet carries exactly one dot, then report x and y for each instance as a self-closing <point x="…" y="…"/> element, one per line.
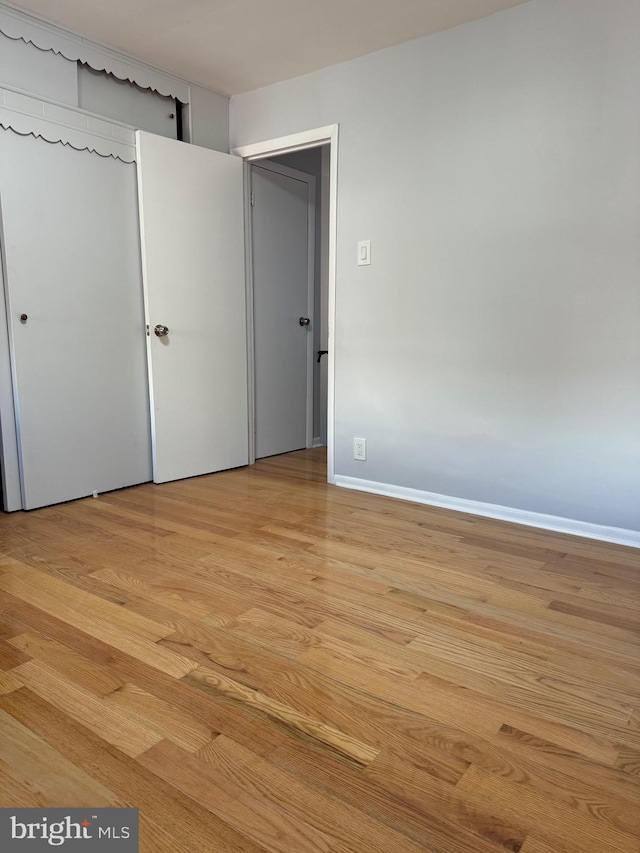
<point x="360" y="449"/>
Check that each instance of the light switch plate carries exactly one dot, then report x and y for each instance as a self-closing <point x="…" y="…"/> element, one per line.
<point x="364" y="253"/>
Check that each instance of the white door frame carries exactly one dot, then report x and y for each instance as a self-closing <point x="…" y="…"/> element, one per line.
<point x="285" y="145"/>
<point x="311" y="264"/>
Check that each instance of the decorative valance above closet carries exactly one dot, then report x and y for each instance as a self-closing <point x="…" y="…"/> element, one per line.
<point x="53" y="122"/>
<point x="18" y="25"/>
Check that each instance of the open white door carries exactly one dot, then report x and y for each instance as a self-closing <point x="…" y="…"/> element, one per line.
<point x="192" y="231"/>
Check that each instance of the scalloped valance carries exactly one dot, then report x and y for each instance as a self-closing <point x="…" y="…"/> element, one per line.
<point x="18" y="25"/>
<point x="55" y="122"/>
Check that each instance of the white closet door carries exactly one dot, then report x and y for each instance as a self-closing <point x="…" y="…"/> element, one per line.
<point x="79" y="363"/>
<point x="192" y="225"/>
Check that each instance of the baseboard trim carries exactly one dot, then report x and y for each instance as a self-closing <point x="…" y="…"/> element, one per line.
<point x="318" y="442"/>
<point x="557" y="524"/>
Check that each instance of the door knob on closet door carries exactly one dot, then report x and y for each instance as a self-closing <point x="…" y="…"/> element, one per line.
<point x="161" y="331"/>
<point x="304" y="321"/>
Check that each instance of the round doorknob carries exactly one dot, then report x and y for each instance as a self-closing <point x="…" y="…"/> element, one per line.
<point x="304" y="321"/>
<point x="161" y="331"/>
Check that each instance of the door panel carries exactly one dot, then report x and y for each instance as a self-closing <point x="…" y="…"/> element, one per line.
<point x="282" y="243"/>
<point x="79" y="362"/>
<point x="192" y="226"/>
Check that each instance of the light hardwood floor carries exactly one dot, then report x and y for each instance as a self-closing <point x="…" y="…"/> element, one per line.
<point x="261" y="662"/>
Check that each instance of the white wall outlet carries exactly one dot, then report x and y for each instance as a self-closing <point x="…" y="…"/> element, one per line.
<point x="360" y="449"/>
<point x="364" y="253"/>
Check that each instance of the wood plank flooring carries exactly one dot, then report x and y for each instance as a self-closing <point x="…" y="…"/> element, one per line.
<point x="262" y="662"/>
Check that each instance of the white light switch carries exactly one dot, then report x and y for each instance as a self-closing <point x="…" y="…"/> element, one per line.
<point x="364" y="253"/>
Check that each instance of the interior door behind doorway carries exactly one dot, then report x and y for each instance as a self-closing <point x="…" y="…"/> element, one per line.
<point x="283" y="210"/>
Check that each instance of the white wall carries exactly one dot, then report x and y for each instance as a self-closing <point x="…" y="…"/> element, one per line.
<point x="491" y="351"/>
<point x="209" y="113"/>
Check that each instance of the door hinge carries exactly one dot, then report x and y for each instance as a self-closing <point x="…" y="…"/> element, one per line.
<point x="147" y="331"/>
<point x="253" y="199"/>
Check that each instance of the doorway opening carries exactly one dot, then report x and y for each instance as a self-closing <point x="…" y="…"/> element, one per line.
<point x="313" y="153"/>
<point x="289" y="264"/>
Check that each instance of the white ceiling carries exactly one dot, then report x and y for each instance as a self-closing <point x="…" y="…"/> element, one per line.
<point x="237" y="45"/>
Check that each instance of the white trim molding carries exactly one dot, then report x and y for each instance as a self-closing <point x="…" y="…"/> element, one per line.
<point x="288" y="144"/>
<point x="16" y="24"/>
<point x="55" y="122"/>
<point x="557" y="524"/>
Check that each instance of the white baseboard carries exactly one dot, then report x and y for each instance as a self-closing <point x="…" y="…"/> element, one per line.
<point x="557" y="524"/>
<point x="318" y="442"/>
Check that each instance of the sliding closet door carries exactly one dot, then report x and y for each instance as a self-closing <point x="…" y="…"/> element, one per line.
<point x="76" y="319"/>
